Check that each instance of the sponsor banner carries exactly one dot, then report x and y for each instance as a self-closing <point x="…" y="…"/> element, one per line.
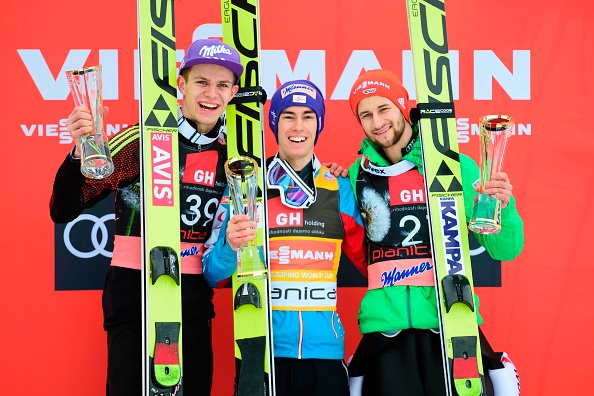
<point x="529" y="60"/>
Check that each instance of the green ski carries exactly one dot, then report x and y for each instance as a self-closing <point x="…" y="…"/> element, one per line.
<point x="160" y="201"/>
<point x="449" y="235"/>
<point x="245" y="143"/>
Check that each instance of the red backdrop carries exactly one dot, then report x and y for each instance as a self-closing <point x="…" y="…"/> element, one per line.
<point x="528" y="59"/>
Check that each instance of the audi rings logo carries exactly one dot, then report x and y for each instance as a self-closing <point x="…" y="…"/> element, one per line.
<point x="99" y="236"/>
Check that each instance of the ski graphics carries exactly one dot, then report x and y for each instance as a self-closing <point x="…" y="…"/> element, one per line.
<point x="441" y="159"/>
<point x="162" y="316"/>
<point x="252" y="321"/>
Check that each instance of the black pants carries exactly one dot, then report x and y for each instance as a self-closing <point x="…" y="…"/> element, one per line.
<point x="310" y="377"/>
<point x="122" y="321"/>
<point x="409" y="364"/>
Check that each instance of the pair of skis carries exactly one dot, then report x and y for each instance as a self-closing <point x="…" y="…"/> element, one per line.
<point x="160" y="188"/>
<point x="445" y="201"/>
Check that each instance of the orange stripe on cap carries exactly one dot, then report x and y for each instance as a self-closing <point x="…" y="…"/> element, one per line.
<point x="380" y="82"/>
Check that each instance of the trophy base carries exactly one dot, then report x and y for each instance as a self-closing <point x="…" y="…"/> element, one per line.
<point x="96" y="160"/>
<point x="250" y="264"/>
<point x="484" y="226"/>
<point x="486" y="215"/>
<point x="96" y="167"/>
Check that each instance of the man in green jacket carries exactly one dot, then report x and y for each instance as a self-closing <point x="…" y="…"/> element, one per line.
<point x="400" y="351"/>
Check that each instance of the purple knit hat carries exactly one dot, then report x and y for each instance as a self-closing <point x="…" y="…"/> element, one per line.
<point x="215" y="52"/>
<point x="297" y="93"/>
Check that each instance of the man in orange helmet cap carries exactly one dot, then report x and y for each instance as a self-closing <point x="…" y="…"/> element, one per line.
<point x="400" y="352"/>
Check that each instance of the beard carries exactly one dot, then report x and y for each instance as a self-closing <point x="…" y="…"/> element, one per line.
<point x="398" y="130"/>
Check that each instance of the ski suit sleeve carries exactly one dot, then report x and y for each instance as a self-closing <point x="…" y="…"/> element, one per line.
<point x="506" y="245"/>
<point x="72" y="192"/>
<point x="219" y="261"/>
<point x="353" y="243"/>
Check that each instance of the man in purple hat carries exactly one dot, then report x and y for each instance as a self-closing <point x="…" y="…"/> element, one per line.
<point x="312" y="218"/>
<point x="208" y="80"/>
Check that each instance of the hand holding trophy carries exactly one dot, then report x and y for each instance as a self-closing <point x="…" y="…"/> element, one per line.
<point x="486" y="212"/>
<point x="85" y="86"/>
<point x="242" y="178"/>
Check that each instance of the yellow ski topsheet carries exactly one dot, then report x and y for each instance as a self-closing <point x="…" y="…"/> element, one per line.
<point x="245" y="138"/>
<point x="443" y="182"/>
<point x="160" y="191"/>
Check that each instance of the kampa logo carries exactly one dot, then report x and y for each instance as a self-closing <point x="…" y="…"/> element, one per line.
<point x="451" y="235"/>
<point x="285" y="255"/>
<point x="369" y="91"/>
<point x="161" y="169"/>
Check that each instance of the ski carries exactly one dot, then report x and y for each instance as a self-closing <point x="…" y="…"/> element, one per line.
<point x="441" y="160"/>
<point x="162" y="314"/>
<point x="252" y="321"/>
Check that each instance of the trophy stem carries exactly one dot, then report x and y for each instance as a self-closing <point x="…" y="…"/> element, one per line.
<point x="250" y="263"/>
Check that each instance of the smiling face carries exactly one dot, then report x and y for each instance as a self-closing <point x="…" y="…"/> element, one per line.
<point x="207" y="88"/>
<point x="297" y="126"/>
<point x="384" y="125"/>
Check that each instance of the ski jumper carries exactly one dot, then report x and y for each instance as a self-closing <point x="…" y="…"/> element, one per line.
<point x="202" y="183"/>
<point x="401" y="291"/>
<point x="305" y="250"/>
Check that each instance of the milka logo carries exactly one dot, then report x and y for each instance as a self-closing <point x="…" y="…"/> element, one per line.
<point x="367" y="83"/>
<point x="298" y="88"/>
<point x="451" y="235"/>
<point x="210" y="51"/>
<point x="390" y="278"/>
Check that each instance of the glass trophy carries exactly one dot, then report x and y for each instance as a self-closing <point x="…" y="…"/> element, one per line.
<point x="85" y="87"/>
<point x="486" y="211"/>
<point x="242" y="178"/>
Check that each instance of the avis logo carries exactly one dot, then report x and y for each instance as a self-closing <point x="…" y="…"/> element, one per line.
<point x="161" y="169"/>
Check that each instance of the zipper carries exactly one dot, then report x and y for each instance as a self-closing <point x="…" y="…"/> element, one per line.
<point x="300" y="342"/>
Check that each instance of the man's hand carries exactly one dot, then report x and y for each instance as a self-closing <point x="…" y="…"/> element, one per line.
<point x="79" y="123"/>
<point x="499" y="186"/>
<point x="336" y="169"/>
<point x="240" y="230"/>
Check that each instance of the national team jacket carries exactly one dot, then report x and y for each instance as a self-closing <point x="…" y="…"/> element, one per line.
<point x="305" y="250"/>
<point x="202" y="183"/>
<point x="401" y="285"/>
